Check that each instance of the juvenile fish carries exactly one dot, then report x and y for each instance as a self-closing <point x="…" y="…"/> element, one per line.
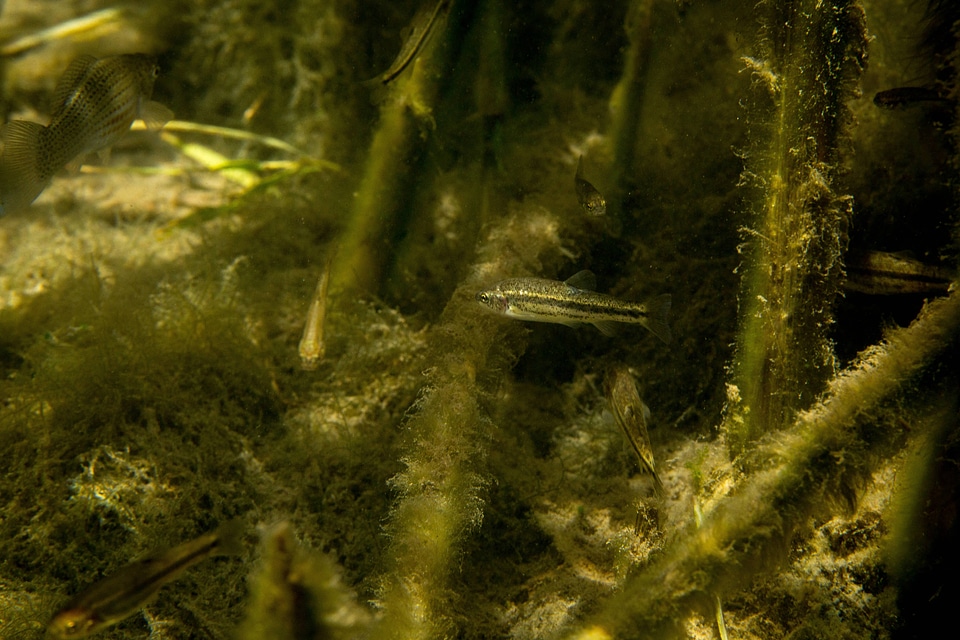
<point x="573" y="303"/>
<point x="904" y="97"/>
<point x="883" y="274"/>
<point x="590" y="199"/>
<point x="122" y="594"/>
<point x="95" y="103"/>
<point x="416" y="36"/>
<point x="311" y="343"/>
<point x="633" y="416"/>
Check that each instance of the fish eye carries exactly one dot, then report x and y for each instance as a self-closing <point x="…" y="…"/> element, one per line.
<point x="483" y="296"/>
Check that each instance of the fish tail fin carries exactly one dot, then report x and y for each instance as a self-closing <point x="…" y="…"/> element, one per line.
<point x="658" y="487"/>
<point x="230" y="538"/>
<point x="378" y="88"/>
<point x="657" y="311"/>
<point x="21" y="180"/>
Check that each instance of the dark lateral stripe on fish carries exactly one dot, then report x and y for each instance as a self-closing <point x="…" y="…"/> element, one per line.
<point x="582" y="306"/>
<point x="412" y="47"/>
<point x="153" y="579"/>
<point x="897" y="275"/>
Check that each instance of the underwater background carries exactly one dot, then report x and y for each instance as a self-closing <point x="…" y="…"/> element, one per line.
<point x="442" y="471"/>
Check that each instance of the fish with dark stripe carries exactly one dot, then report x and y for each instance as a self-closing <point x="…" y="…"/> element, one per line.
<point x="122" y="594"/>
<point x="573" y="303"/>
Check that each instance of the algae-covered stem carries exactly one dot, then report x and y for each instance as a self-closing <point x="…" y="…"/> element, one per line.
<point x="626" y="101"/>
<point x="406" y="121"/>
<point x="812" y="56"/>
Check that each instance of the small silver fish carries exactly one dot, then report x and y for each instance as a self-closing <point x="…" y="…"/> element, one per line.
<point x="312" y="346"/>
<point x="573" y="303"/>
<point x="95" y="102"/>
<point x="122" y="594"/>
<point x="416" y="36"/>
<point x="590" y="199"/>
<point x="633" y="416"/>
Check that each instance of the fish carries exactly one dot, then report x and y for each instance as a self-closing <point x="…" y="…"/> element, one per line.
<point x="572" y="303"/>
<point x="633" y="416"/>
<point x="590" y="199"/>
<point x="904" y="97"/>
<point x="415" y="37"/>
<point x="95" y="102"/>
<point x="311" y="346"/>
<point x="880" y="273"/>
<point x="123" y="593"/>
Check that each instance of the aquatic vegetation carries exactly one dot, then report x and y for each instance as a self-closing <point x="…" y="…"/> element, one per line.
<point x="413" y="467"/>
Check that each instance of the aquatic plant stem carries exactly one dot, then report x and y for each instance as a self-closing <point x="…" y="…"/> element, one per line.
<point x="626" y="100"/>
<point x="813" y="55"/>
<point x="406" y="119"/>
<point x="744" y="533"/>
<point x="440" y="490"/>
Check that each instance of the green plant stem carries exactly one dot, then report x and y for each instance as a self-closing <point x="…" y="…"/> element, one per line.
<point x="814" y="53"/>
<point x="627" y="98"/>
<point x="406" y="120"/>
<point x="440" y="490"/>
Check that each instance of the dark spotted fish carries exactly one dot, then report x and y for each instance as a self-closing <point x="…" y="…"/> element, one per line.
<point x="95" y="103"/>
<point x="122" y="594"/>
<point x="573" y="303"/>
<point x="590" y="199"/>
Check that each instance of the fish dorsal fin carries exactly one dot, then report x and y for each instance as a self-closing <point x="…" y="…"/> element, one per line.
<point x="154" y="114"/>
<point x="70" y="80"/>
<point x="579" y="175"/>
<point x="582" y="280"/>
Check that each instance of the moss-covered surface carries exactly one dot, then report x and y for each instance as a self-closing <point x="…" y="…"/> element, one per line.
<point x="448" y="473"/>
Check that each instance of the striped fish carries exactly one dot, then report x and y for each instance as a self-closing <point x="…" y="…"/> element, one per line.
<point x="573" y="303"/>
<point x="122" y="594"/>
<point x="415" y="37"/>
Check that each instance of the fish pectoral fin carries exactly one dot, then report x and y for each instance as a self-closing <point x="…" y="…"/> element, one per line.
<point x="582" y="280"/>
<point x="73" y="167"/>
<point x="155" y="115"/>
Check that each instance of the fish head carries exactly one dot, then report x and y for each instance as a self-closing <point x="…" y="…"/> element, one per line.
<point x="72" y="623"/>
<point x="494" y="300"/>
<point x="143" y="69"/>
<point x="595" y="205"/>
